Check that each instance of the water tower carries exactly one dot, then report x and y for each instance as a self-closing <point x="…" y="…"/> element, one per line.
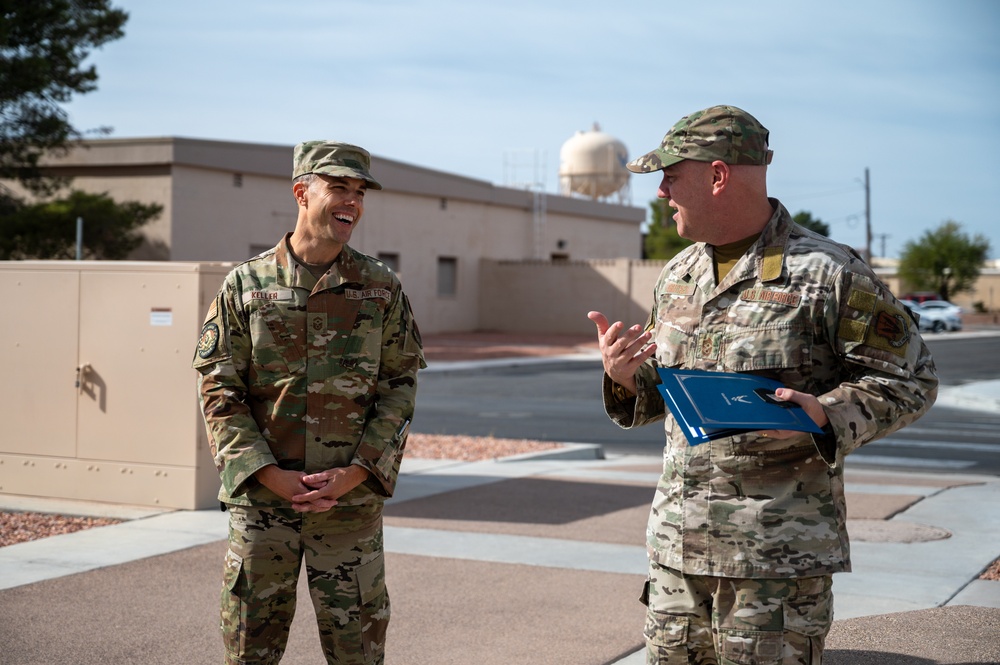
<point x="592" y="164"/>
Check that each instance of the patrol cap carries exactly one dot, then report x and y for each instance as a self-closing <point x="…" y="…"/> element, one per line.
<point x="723" y="133"/>
<point x="333" y="158"/>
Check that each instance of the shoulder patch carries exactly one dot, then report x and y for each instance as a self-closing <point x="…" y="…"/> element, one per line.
<point x="889" y="329"/>
<point x="209" y="340"/>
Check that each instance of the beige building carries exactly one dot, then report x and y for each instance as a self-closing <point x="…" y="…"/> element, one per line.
<point x="225" y="201"/>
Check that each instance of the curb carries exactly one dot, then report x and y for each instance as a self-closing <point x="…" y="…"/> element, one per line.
<point x="569" y="451"/>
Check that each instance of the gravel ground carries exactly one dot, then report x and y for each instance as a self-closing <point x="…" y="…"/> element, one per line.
<point x="22" y="527"/>
<point x="470" y="448"/>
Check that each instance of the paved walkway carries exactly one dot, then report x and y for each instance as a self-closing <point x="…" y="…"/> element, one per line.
<point x="534" y="559"/>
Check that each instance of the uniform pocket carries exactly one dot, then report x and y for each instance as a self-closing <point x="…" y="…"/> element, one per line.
<point x="277" y="350"/>
<point x="751" y="647"/>
<point x="233" y="615"/>
<point x="810" y="611"/>
<point x="233" y="569"/>
<point x="666" y="630"/>
<point x="364" y="344"/>
<point x="374" y="606"/>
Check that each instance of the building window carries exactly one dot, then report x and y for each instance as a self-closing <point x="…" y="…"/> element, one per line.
<point x="444" y="203"/>
<point x="237" y="180"/>
<point x="391" y="259"/>
<point x="447" y="276"/>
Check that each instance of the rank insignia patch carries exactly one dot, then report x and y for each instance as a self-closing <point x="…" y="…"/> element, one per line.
<point x="209" y="340"/>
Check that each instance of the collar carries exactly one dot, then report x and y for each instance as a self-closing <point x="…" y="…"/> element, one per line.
<point x="291" y="273"/>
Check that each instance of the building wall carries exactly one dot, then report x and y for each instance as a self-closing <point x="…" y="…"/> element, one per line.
<point x="215" y="219"/>
<point x="539" y="296"/>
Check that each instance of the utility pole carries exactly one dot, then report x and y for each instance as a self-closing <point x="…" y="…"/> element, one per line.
<point x="868" y="218"/>
<point x="882" y="237"/>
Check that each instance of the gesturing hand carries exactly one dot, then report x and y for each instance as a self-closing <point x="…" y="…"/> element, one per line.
<point x="622" y="349"/>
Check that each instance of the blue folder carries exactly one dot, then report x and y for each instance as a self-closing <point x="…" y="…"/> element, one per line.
<point x="712" y="405"/>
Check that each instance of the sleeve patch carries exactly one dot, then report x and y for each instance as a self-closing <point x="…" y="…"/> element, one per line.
<point x="852" y="330"/>
<point x="889" y="330"/>
<point x="862" y="300"/>
<point x="209" y="340"/>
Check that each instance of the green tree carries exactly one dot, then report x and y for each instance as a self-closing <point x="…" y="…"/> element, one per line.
<point x="48" y="230"/>
<point x="662" y="240"/>
<point x="43" y="44"/>
<point x="805" y="218"/>
<point x="944" y="260"/>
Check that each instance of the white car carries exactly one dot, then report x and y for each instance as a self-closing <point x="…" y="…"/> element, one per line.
<point x="942" y="306"/>
<point x="934" y="319"/>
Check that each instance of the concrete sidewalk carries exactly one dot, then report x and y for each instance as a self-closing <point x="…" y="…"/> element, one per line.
<point x="511" y="561"/>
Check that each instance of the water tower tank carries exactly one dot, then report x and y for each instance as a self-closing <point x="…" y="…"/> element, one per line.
<point x="593" y="164"/>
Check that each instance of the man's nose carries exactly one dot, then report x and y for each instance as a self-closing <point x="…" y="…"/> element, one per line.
<point x="664" y="191"/>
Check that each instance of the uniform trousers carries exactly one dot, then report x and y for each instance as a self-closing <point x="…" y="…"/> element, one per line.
<point x="346" y="575"/>
<point x="701" y="620"/>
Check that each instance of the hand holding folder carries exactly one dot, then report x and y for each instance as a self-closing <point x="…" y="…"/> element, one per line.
<point x="712" y="405"/>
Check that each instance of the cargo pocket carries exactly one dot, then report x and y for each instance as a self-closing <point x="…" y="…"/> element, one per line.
<point x="666" y="638"/>
<point x="233" y="619"/>
<point x="751" y="647"/>
<point x="666" y="630"/>
<point x="374" y="606"/>
<point x="810" y="612"/>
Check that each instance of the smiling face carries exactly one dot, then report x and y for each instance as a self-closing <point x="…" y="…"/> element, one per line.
<point x="329" y="209"/>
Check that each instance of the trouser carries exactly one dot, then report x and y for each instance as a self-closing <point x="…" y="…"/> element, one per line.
<point x="346" y="575"/>
<point x="698" y="620"/>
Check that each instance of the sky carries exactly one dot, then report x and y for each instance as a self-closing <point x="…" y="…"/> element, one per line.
<point x="908" y="89"/>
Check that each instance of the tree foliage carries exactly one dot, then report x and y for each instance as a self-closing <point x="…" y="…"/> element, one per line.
<point x="662" y="240"/>
<point x="944" y="260"/>
<point x="43" y="44"/>
<point x="805" y="218"/>
<point x="48" y="230"/>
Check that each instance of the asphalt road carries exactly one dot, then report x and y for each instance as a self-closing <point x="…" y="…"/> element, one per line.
<point x="561" y="401"/>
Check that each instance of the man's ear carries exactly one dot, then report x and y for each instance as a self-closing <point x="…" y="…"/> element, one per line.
<point x="300" y="192"/>
<point x="720" y="177"/>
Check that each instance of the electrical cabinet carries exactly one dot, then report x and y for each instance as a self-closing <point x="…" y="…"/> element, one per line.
<point x="99" y="401"/>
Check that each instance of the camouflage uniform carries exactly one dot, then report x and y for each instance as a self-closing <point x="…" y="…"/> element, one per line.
<point x="763" y="516"/>
<point x="310" y="375"/>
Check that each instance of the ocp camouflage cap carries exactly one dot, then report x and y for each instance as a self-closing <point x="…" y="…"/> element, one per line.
<point x="723" y="133"/>
<point x="333" y="158"/>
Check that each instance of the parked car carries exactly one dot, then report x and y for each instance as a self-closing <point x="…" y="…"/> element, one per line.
<point x="934" y="319"/>
<point x="942" y="306"/>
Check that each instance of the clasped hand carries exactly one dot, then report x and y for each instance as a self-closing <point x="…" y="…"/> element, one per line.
<point x="313" y="492"/>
